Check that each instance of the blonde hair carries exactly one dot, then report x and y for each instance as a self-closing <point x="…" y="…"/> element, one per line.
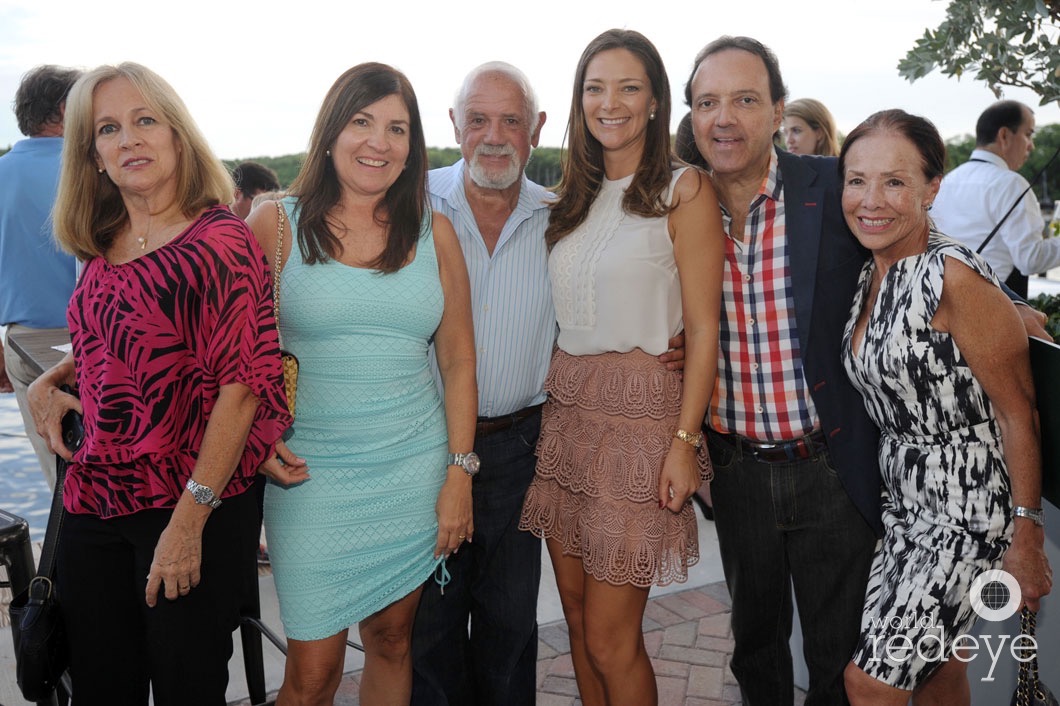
<point x="89" y="211"/>
<point x="817" y="116"/>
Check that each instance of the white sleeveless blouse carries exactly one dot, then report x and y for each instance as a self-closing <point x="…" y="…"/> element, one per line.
<point x="614" y="279"/>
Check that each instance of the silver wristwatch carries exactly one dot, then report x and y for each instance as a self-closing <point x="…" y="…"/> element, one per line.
<point x="1035" y="514"/>
<point x="469" y="462"/>
<point x="202" y="494"/>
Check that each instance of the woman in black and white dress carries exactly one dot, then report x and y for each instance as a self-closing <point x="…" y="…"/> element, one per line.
<point x="940" y="355"/>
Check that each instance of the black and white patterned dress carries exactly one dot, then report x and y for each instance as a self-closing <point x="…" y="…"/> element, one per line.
<point x="946" y="497"/>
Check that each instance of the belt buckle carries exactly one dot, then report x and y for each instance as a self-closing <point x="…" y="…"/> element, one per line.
<point x="766" y="452"/>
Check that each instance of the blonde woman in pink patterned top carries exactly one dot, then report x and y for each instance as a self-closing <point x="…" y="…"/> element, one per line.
<point x="175" y="358"/>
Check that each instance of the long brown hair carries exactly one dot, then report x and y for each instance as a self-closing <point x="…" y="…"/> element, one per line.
<point x="583" y="169"/>
<point x="317" y="187"/>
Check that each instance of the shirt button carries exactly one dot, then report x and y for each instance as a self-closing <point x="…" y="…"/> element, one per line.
<point x="486" y="307"/>
<point x="758" y="409"/>
<point x="747" y="278"/>
<point x="751" y="322"/>
<point x="754" y="366"/>
<point x="482" y="349"/>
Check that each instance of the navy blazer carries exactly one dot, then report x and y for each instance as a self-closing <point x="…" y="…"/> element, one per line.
<point x="826" y="261"/>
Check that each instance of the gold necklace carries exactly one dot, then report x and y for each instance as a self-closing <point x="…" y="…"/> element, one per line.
<point x="142" y="239"/>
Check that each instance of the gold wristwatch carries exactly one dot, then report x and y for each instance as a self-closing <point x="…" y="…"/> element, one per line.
<point x="694" y="440"/>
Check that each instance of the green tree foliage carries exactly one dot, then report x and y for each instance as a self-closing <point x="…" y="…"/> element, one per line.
<point x="1046" y="143"/>
<point x="958" y="150"/>
<point x="543" y="167"/>
<point x="286" y="167"/>
<point x="442" y="156"/>
<point x="1001" y="42"/>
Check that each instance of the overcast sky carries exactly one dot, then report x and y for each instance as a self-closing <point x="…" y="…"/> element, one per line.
<point x="253" y="73"/>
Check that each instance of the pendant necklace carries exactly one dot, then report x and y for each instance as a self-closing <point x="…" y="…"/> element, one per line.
<point x="142" y="239"/>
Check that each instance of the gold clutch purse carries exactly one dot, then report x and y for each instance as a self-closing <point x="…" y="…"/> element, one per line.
<point x="289" y="360"/>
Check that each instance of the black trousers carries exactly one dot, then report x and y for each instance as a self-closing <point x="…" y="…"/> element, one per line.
<point x="784" y="525"/>
<point x="494" y="584"/>
<point x="119" y="647"/>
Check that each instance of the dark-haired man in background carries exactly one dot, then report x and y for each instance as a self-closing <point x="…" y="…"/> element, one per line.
<point x="36" y="278"/>
<point x="976" y="196"/>
<point x="251" y="179"/>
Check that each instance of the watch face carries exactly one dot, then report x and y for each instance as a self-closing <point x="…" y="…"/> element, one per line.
<point x="471" y="463"/>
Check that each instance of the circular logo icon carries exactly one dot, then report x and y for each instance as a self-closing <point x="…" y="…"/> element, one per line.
<point x="995" y="595"/>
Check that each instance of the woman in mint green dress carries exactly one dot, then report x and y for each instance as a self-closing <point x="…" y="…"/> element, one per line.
<point x="362" y="507"/>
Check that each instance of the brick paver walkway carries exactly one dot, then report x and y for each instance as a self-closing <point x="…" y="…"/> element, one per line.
<point x="687" y="635"/>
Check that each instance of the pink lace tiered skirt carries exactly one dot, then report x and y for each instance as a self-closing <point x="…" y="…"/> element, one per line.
<point x="605" y="432"/>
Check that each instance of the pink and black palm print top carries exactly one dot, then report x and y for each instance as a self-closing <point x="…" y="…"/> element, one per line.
<point x="154" y="340"/>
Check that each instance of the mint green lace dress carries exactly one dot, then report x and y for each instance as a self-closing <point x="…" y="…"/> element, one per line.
<point x="359" y="534"/>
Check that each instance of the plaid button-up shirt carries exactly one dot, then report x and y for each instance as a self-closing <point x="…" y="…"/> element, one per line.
<point x="761" y="390"/>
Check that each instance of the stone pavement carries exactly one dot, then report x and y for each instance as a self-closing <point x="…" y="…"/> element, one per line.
<point x="686" y="633"/>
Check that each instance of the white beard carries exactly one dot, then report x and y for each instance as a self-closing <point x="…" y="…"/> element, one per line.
<point x="494" y="180"/>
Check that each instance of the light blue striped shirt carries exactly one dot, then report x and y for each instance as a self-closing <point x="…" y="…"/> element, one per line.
<point x="511" y="298"/>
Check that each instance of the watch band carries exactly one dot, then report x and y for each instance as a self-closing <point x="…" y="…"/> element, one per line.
<point x="1035" y="514"/>
<point x="694" y="440"/>
<point x="468" y="461"/>
<point x="203" y="494"/>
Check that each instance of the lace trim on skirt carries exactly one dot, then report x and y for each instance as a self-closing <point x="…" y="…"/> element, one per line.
<point x="605" y="432"/>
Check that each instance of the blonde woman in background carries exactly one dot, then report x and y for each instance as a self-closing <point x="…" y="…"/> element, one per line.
<point x="809" y="128"/>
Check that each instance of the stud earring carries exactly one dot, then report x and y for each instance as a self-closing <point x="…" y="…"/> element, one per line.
<point x="327" y="152"/>
<point x="651" y="115"/>
<point x="100" y="170"/>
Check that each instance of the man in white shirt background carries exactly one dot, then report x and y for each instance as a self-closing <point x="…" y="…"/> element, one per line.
<point x="975" y="197"/>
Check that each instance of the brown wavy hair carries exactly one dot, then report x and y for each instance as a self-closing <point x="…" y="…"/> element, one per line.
<point x="317" y="186"/>
<point x="583" y="169"/>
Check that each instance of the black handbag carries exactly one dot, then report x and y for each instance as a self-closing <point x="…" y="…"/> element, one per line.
<point x="1030" y="691"/>
<point x="41" y="651"/>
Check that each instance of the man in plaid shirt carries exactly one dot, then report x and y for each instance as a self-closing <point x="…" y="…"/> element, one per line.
<point x="796" y="490"/>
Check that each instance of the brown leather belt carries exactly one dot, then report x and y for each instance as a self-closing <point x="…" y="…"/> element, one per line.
<point x="800" y="449"/>
<point x="490" y="425"/>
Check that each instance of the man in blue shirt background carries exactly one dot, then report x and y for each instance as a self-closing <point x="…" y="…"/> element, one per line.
<point x="36" y="278"/>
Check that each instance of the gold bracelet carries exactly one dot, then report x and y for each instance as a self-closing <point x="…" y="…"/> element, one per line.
<point x="693" y="440"/>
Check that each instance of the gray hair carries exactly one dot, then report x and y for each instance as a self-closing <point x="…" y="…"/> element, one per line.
<point x="510" y="72"/>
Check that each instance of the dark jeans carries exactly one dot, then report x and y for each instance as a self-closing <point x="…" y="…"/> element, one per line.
<point x="782" y="525"/>
<point x="494" y="584"/>
<point x="119" y="646"/>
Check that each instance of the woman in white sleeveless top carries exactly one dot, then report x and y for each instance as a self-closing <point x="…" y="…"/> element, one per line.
<point x="636" y="255"/>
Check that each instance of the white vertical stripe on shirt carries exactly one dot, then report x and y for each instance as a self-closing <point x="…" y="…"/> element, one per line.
<point x="511" y="299"/>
